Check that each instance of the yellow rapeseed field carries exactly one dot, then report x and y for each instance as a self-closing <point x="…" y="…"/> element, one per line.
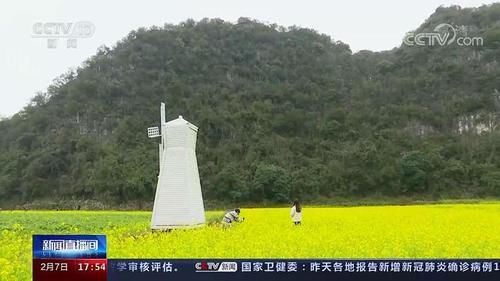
<point x="426" y="231"/>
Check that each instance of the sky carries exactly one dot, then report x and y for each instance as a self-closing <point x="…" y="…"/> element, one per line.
<point x="28" y="65"/>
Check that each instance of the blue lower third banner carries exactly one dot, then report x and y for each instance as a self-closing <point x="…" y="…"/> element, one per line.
<point x="69" y="246"/>
<point x="289" y="270"/>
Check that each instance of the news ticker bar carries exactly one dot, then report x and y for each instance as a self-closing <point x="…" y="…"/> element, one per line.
<point x="263" y="269"/>
<point x="288" y="269"/>
<point x="83" y="257"/>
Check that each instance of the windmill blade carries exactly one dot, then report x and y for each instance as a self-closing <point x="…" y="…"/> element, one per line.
<point x="153" y="132"/>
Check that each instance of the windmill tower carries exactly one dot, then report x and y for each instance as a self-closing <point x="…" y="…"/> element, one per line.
<point x="178" y="200"/>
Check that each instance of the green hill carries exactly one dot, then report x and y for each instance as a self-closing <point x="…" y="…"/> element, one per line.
<point x="283" y="112"/>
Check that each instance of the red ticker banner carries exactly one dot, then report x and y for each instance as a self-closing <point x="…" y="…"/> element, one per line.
<point x="70" y="269"/>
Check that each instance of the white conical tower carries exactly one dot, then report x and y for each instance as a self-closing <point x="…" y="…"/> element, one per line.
<point x="178" y="200"/>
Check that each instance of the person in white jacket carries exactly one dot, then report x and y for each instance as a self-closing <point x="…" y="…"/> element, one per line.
<point x="232" y="216"/>
<point x="296" y="212"/>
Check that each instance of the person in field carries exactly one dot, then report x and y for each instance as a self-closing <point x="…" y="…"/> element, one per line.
<point x="296" y="212"/>
<point x="232" y="216"/>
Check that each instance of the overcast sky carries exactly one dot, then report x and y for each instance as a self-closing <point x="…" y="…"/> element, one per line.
<point x="27" y="65"/>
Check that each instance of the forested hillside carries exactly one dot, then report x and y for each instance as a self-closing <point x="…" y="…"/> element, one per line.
<point x="282" y="112"/>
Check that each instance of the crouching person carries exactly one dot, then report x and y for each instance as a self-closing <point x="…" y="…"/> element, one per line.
<point x="232" y="216"/>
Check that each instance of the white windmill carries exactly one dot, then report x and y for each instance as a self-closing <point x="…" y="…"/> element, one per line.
<point x="178" y="200"/>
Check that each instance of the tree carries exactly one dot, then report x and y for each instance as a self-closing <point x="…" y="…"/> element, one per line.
<point x="415" y="171"/>
<point x="271" y="182"/>
<point x="229" y="184"/>
<point x="491" y="181"/>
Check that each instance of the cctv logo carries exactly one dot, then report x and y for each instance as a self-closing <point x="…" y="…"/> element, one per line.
<point x="205" y="266"/>
<point x="81" y="29"/>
